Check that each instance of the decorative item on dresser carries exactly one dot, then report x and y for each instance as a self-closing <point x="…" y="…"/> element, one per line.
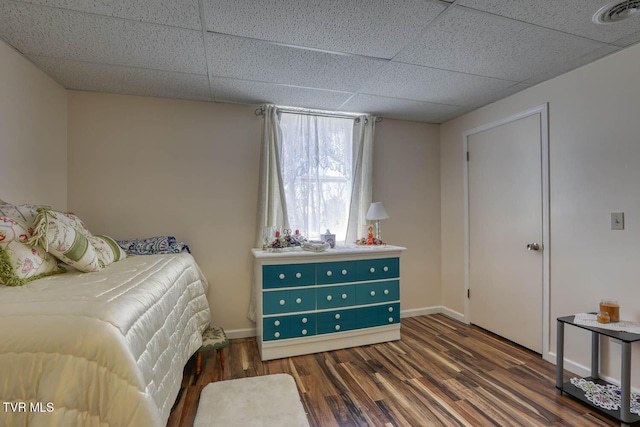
<point x="311" y="302"/>
<point x="376" y="213"/>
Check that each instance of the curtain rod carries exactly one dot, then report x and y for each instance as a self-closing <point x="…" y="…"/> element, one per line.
<point x="260" y="112"/>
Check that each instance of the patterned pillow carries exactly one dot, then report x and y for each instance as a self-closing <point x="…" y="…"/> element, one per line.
<point x="25" y="214"/>
<point x="66" y="237"/>
<point x="153" y="245"/>
<point x="107" y="249"/>
<point x="19" y="262"/>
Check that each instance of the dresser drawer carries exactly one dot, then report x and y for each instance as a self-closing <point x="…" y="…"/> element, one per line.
<point x="276" y="328"/>
<point x="288" y="275"/>
<point x="302" y="325"/>
<point x="336" y="296"/>
<point x="293" y="326"/>
<point x="336" y="272"/>
<point x="375" y="292"/>
<point x="374" y="269"/>
<point x="379" y="315"/>
<point x="336" y="321"/>
<point x="288" y="301"/>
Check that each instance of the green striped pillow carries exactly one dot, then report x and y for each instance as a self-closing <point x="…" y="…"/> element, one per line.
<point x="107" y="249"/>
<point x="66" y="237"/>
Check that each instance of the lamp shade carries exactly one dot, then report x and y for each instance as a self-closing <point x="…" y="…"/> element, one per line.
<point x="376" y="212"/>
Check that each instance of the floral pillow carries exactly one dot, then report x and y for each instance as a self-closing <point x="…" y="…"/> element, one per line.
<point x="107" y="249"/>
<point x="66" y="237"/>
<point x="19" y="262"/>
<point x="25" y="214"/>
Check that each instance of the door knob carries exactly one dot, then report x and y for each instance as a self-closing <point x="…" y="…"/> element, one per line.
<point x="533" y="247"/>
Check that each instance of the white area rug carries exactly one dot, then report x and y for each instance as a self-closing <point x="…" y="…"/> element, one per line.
<point x="267" y="401"/>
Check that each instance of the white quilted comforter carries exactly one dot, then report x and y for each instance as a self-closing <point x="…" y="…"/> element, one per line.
<point x="100" y="349"/>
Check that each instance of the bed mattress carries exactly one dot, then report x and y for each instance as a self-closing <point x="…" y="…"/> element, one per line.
<point x="100" y="349"/>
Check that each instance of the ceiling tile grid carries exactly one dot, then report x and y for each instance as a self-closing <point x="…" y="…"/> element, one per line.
<point x="66" y="34"/>
<point x="257" y="60"/>
<point x="482" y="44"/>
<point x="248" y="92"/>
<point x="183" y="13"/>
<point x="424" y="60"/>
<point x="375" y="28"/>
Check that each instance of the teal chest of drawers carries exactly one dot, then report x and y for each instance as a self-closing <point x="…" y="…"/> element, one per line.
<point x="311" y="302"/>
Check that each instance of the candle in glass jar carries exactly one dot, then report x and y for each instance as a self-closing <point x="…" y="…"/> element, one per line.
<point x="612" y="308"/>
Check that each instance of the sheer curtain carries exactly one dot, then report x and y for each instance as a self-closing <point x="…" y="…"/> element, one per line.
<point x="272" y="207"/>
<point x="317" y="172"/>
<point x="361" y="192"/>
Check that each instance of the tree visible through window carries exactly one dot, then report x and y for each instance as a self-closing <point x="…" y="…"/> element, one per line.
<point x="317" y="172"/>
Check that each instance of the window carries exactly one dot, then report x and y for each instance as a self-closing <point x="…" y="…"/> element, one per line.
<point x="317" y="162"/>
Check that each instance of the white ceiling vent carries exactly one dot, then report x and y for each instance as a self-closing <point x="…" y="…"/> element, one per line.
<point x="617" y="11"/>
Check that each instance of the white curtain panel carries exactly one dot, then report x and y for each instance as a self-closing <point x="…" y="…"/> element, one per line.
<point x="361" y="193"/>
<point x="272" y="207"/>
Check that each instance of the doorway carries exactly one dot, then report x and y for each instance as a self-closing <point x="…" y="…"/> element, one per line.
<point x="507" y="228"/>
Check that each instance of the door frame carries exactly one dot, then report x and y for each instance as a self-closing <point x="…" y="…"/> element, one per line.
<point x="542" y="110"/>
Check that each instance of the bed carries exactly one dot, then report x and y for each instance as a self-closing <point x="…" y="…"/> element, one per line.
<point x="106" y="348"/>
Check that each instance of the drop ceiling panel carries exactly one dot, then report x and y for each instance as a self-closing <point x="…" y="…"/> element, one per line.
<point x="250" y="59"/>
<point x="573" y="64"/>
<point x="479" y="43"/>
<point x="78" y="36"/>
<point x="404" y="109"/>
<point x="376" y="28"/>
<point x="131" y="81"/>
<point x="629" y="40"/>
<point x="183" y="13"/>
<point x="432" y="85"/>
<point x="241" y="91"/>
<point x="570" y="16"/>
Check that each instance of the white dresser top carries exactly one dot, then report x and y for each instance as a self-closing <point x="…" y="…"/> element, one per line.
<point x="338" y="251"/>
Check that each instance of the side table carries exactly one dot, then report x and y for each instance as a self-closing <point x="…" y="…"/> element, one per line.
<point x="623" y="414"/>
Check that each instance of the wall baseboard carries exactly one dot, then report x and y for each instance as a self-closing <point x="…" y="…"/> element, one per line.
<point x="420" y="311"/>
<point x="241" y="333"/>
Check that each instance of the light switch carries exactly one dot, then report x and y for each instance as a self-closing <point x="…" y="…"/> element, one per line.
<point x="617" y="220"/>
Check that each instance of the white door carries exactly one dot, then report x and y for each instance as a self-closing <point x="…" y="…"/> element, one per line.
<point x="505" y="225"/>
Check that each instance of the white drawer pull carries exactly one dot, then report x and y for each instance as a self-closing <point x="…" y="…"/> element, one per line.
<point x="344" y="272"/>
<point x="390" y="309"/>
<point x="329" y="297"/>
<point x="304" y="332"/>
<point x="337" y="316"/>
<point x="304" y="320"/>
<point x="390" y="319"/>
<point x="298" y="300"/>
<point x="372" y="293"/>
<point x="329" y="273"/>
<point x="344" y="296"/>
<point x="276" y="323"/>
<point x="281" y="276"/>
<point x="337" y="327"/>
<point x="386" y="291"/>
<point x="282" y="302"/>
<point x="386" y="268"/>
<point x="277" y="335"/>
<point x="298" y="275"/>
<point x="372" y="270"/>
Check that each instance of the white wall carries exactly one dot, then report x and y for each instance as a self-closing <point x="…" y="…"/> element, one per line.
<point x="145" y="166"/>
<point x="594" y="156"/>
<point x="33" y="133"/>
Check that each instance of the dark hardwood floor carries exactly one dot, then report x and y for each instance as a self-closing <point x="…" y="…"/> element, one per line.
<point x="441" y="373"/>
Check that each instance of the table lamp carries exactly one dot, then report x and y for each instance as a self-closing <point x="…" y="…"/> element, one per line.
<point x="375" y="213"/>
